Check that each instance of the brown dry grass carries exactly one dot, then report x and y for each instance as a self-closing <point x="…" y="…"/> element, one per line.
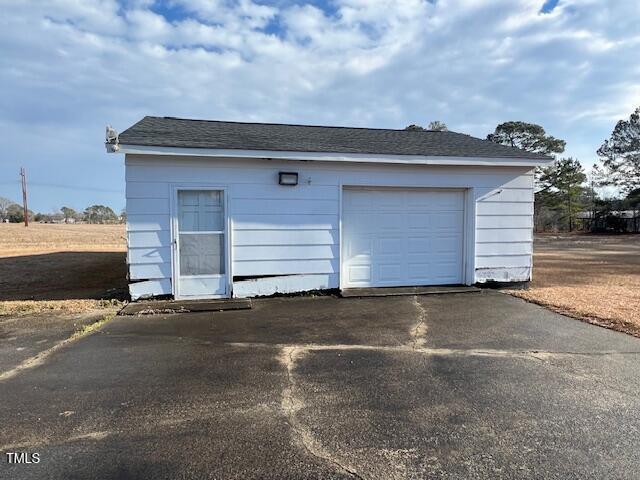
<point x="67" y="268"/>
<point x="16" y="239"/>
<point x="27" y="307"/>
<point x="592" y="277"/>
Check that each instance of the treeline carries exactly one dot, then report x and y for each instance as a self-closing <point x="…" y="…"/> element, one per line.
<point x="14" y="213"/>
<point x="566" y="197"/>
<point x="569" y="199"/>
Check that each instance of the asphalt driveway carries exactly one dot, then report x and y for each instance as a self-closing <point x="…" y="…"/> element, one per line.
<point x="23" y="337"/>
<point x="477" y="385"/>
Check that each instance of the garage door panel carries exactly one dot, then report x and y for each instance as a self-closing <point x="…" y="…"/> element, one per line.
<point x="386" y="260"/>
<point x="389" y="201"/>
<point x="374" y="222"/>
<point x="447" y="221"/>
<point x="419" y="245"/>
<point x="386" y="221"/>
<point x="446" y="280"/>
<point x="389" y="272"/>
<point x="426" y="245"/>
<point x="361" y="223"/>
<point x="357" y="200"/>
<point x="360" y="245"/>
<point x="444" y="262"/>
<point x="421" y="258"/>
<point x="419" y="221"/>
<point x="419" y="271"/>
<point x="439" y="198"/>
<point x="389" y="246"/>
<point x="359" y="274"/>
<point x="436" y="201"/>
<point x="446" y="244"/>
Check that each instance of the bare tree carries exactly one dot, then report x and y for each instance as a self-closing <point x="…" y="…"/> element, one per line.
<point x="5" y="203"/>
<point x="437" y="126"/>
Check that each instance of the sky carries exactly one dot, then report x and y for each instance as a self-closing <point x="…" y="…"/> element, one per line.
<point x="70" y="67"/>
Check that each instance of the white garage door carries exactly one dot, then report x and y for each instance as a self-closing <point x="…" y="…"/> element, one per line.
<point x="395" y="237"/>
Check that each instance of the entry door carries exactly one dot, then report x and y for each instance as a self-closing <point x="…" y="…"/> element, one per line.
<point x="200" y="241"/>
<point x="402" y="237"/>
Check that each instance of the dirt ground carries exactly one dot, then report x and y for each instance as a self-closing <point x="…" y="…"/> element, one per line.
<point x="72" y="268"/>
<point x="592" y="277"/>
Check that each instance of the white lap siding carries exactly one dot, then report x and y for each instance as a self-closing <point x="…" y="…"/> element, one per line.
<point x="292" y="234"/>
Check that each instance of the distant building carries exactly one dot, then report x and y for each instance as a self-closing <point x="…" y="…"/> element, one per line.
<point x="610" y="221"/>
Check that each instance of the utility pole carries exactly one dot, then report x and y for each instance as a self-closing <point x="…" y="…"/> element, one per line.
<point x="23" y="178"/>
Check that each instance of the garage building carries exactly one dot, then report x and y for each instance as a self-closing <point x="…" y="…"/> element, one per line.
<point x="229" y="209"/>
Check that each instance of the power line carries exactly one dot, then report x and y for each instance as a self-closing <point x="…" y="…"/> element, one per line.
<point x="66" y="187"/>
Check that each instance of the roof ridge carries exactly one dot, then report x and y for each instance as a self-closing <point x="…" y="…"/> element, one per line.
<point x="306" y="125"/>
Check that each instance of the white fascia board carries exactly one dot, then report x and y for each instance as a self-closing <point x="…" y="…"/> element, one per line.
<point x="332" y="157"/>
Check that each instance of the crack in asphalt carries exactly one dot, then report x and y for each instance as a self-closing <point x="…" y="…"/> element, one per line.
<point x="419" y="331"/>
<point x="462" y="352"/>
<point x="291" y="405"/>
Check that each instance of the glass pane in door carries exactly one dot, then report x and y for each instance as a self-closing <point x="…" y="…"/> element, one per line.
<point x="201" y="211"/>
<point x="201" y="230"/>
<point x="201" y="254"/>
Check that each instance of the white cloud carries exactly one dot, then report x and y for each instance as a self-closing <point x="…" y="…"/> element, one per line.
<point x="146" y="25"/>
<point x="74" y="66"/>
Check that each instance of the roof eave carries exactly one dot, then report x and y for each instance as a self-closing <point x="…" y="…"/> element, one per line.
<point x="334" y="156"/>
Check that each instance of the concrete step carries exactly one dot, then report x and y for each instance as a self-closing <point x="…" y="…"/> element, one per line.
<point x="398" y="291"/>
<point x="183" y="306"/>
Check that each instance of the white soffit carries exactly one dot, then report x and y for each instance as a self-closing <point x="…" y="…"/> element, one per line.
<point x="331" y="157"/>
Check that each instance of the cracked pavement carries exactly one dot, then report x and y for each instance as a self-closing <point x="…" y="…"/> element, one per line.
<point x="477" y="385"/>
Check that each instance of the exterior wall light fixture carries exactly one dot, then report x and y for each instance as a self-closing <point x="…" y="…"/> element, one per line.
<point x="288" y="178"/>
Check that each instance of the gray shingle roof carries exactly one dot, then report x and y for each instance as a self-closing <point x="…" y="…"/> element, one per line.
<point x="176" y="132"/>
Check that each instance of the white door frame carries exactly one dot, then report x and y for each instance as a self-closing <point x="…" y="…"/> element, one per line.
<point x="468" y="230"/>
<point x="175" y="257"/>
